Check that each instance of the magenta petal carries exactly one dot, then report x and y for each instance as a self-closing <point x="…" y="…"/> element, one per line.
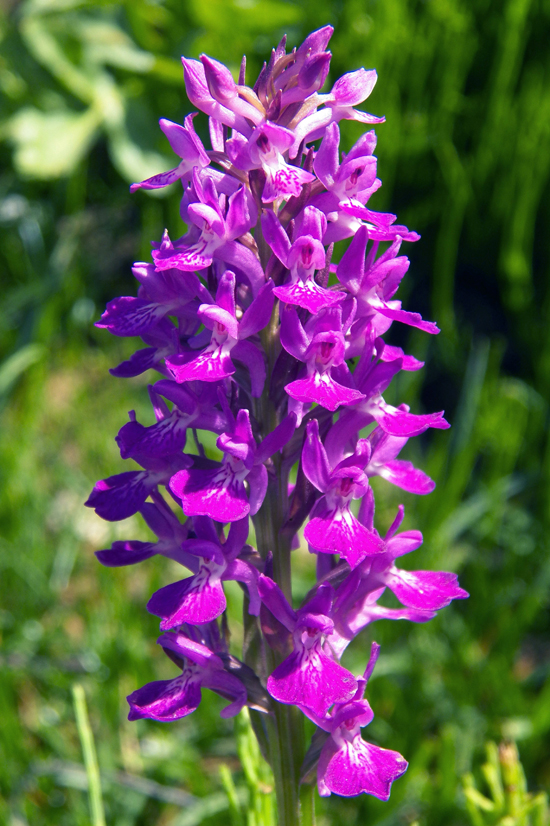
<point x="275" y="235"/>
<point x="196" y="600"/>
<point x="354" y="87"/>
<point x="195" y="257"/>
<point x="184" y="141"/>
<point x="359" y="767"/>
<point x="401" y="423"/>
<point x="406" y="476"/>
<point x="391" y="353"/>
<point x="315" y="462"/>
<point x="323" y="390"/>
<point x="308" y="295"/>
<point x="309" y="678"/>
<point x="215" y="493"/>
<point x="403" y="543"/>
<point x="426" y="590"/>
<point x="138" y="363"/>
<point x="165" y="700"/>
<point x="413" y="319"/>
<point x="160" y="180"/>
<point x="212" y="365"/>
<point x="342" y="533"/>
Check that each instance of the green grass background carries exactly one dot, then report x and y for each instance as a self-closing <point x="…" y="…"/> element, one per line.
<point x="464" y="157"/>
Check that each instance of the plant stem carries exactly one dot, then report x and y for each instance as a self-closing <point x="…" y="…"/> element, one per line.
<point x="307" y="805"/>
<point x="286" y="739"/>
<point x="285" y="725"/>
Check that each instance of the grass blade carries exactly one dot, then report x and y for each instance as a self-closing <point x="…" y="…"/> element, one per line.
<point x="90" y="757"/>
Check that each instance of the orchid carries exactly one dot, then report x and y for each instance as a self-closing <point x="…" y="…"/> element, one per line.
<point x="264" y="342"/>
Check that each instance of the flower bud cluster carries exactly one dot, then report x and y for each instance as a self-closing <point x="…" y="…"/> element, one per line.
<point x="261" y="340"/>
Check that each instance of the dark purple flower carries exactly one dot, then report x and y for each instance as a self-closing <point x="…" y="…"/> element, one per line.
<point x="200" y="598"/>
<point x="167" y="700"/>
<point x="213" y="233"/>
<point x="169" y="530"/>
<point x="122" y="495"/>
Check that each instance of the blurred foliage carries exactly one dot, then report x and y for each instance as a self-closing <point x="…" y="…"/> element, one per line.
<point x="464" y="157"/>
<point x="510" y="803"/>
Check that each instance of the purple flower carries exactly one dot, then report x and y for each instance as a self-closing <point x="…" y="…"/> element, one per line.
<point x="351" y="179"/>
<point x="421" y="592"/>
<point x="200" y="598"/>
<point x="122" y="495"/>
<point x="163" y="339"/>
<point x="169" y="530"/>
<point x="375" y="281"/>
<point x="220" y="492"/>
<point x="169" y="435"/>
<point x="228" y="337"/>
<point x="321" y="345"/>
<point x="348" y="765"/>
<point x="372" y="379"/>
<point x="167" y="700"/>
<point x="308" y="676"/>
<point x="264" y="150"/>
<point x="305" y="255"/>
<point x="213" y="233"/>
<point x="332" y="527"/>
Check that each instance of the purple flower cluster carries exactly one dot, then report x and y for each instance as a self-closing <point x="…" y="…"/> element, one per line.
<point x="261" y="340"/>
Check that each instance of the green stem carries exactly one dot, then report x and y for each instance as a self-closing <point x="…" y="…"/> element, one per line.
<point x="286" y="741"/>
<point x="285" y="726"/>
<point x="307" y="805"/>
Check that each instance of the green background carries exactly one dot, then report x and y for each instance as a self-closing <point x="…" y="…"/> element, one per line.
<point x="464" y="157"/>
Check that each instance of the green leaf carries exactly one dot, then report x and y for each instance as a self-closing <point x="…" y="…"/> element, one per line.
<point x="16" y="364"/>
<point x="107" y="44"/>
<point x="50" y="145"/>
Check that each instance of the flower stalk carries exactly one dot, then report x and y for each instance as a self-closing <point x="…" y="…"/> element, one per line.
<point x="264" y="341"/>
